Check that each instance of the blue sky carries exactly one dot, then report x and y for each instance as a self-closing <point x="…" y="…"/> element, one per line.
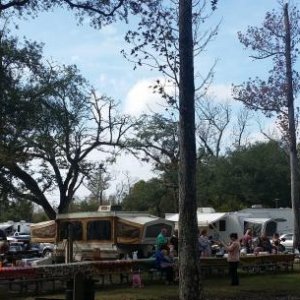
<point x="97" y="54"/>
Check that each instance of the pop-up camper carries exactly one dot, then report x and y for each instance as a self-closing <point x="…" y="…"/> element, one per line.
<point x="103" y="234"/>
<point x="221" y="224"/>
<point x="43" y="232"/>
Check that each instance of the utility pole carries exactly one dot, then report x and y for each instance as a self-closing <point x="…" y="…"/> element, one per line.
<point x="100" y="194"/>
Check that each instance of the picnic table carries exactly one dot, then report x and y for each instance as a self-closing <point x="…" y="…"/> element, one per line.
<point x="267" y="262"/>
<point x="249" y="263"/>
<point x="27" y="276"/>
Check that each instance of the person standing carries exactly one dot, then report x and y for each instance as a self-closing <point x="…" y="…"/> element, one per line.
<point x="233" y="258"/>
<point x="204" y="244"/>
<point x="161" y="240"/>
<point x="3" y="242"/>
<point x="174" y="243"/>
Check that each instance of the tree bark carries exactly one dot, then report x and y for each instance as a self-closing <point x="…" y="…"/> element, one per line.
<point x="294" y="162"/>
<point x="189" y="263"/>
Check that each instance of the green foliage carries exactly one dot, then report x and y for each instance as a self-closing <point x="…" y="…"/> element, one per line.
<point x="16" y="210"/>
<point x="51" y="120"/>
<point x="257" y="174"/>
<point x="39" y="216"/>
<point x="98" y="12"/>
<point x="87" y="204"/>
<point x="150" y="196"/>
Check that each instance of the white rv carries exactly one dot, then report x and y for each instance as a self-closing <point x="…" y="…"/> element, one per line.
<point x="283" y="216"/>
<point x="221" y="224"/>
<point x="11" y="227"/>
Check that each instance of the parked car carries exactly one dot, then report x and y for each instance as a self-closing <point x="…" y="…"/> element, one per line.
<point x="287" y="241"/>
<point x="44" y="249"/>
<point x="19" y="250"/>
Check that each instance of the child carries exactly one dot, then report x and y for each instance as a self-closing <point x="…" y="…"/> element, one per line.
<point x="136" y="278"/>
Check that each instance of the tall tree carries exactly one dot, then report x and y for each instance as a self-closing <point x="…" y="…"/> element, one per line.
<point x="99" y="12"/>
<point x="62" y="123"/>
<point x="189" y="268"/>
<point x="256" y="174"/>
<point x="146" y="196"/>
<point x="156" y="137"/>
<point x="278" y="39"/>
<point x="98" y="182"/>
<point x="155" y="44"/>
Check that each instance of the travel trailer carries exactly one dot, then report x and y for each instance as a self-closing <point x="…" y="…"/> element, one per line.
<point x="283" y="216"/>
<point x="103" y="234"/>
<point x="221" y="224"/>
<point x="11" y="227"/>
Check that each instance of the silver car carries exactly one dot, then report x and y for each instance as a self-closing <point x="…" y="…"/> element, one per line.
<point x="287" y="241"/>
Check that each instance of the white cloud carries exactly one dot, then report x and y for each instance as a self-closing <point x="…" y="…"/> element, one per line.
<point x="141" y="99"/>
<point x="220" y="92"/>
<point x="126" y="168"/>
<point x="136" y="169"/>
<point x="266" y="128"/>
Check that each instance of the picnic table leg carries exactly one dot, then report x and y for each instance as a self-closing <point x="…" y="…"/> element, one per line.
<point x="69" y="290"/>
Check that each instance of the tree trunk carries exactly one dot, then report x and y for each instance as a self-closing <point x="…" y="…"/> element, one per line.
<point x="294" y="162"/>
<point x="48" y="209"/>
<point x="189" y="263"/>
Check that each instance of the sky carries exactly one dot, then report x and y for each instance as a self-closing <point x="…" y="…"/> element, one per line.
<point x="97" y="54"/>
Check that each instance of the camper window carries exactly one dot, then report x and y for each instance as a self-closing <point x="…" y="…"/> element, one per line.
<point x="128" y="231"/>
<point x="76" y="230"/>
<point x="222" y="225"/>
<point x="271" y="228"/>
<point x="99" y="230"/>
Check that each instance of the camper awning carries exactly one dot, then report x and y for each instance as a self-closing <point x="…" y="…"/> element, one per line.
<point x="204" y="219"/>
<point x="173" y="217"/>
<point x="257" y="220"/>
<point x="5" y="226"/>
<point x="210" y="218"/>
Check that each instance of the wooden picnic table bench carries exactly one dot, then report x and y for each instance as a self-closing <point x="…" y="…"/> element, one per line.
<point x="267" y="262"/>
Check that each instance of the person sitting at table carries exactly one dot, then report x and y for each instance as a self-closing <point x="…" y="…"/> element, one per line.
<point x="276" y="243"/>
<point x="165" y="264"/>
<point x="246" y="241"/>
<point x="263" y="244"/>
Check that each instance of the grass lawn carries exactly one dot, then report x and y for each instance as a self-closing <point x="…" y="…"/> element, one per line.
<point x="263" y="286"/>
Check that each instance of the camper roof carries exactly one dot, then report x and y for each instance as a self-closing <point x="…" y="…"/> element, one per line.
<point x="5" y="226"/>
<point x="140" y="219"/>
<point x="204" y="219"/>
<point x="135" y="217"/>
<point x="93" y="214"/>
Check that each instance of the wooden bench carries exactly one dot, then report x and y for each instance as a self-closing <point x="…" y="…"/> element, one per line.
<point x="213" y="265"/>
<point x="35" y="284"/>
<point x="266" y="263"/>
